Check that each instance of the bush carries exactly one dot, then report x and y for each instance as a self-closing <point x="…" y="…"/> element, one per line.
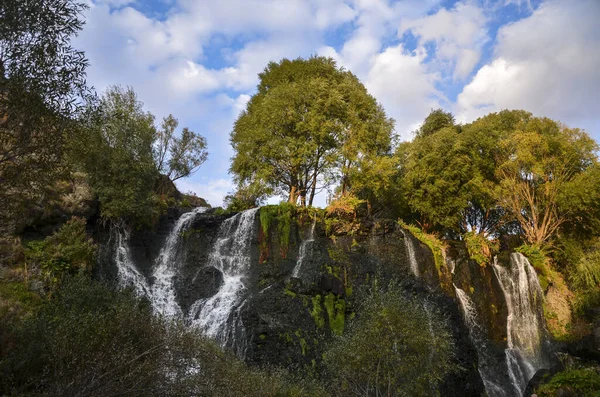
<point x="67" y="252"/>
<point x="393" y="347"/>
<point x="96" y="341"/>
<point x="480" y="249"/>
<point x="584" y="382"/>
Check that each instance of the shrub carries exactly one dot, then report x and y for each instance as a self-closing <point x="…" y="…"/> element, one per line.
<point x="68" y="251"/>
<point x="392" y="347"/>
<point x="93" y="340"/>
<point x="480" y="249"/>
<point x="584" y="382"/>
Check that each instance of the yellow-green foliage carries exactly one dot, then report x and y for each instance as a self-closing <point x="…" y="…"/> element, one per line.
<point x="317" y="311"/>
<point x="434" y="243"/>
<point x="68" y="251"/>
<point x="336" y="311"/>
<point x="536" y="256"/>
<point x="480" y="249"/>
<point x="586" y="274"/>
<point x="584" y="382"/>
<point x="15" y="297"/>
<point x="344" y="205"/>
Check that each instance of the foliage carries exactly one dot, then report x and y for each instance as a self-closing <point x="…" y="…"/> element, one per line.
<point x="583" y="382"/>
<point x="42" y="80"/>
<point x="344" y="206"/>
<point x="310" y="124"/>
<point x="541" y="159"/>
<point x="94" y="341"/>
<point x="67" y="252"/>
<point x="536" y="256"/>
<point x="435" y="121"/>
<point x="178" y="157"/>
<point x="245" y="197"/>
<point x="480" y="249"/>
<point x="383" y="349"/>
<point x="115" y="149"/>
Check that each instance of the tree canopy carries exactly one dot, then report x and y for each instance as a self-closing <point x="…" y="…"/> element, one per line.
<point x="311" y="124"/>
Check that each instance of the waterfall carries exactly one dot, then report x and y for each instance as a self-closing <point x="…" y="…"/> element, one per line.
<point x="526" y="333"/>
<point x="410" y="252"/>
<point x="127" y="273"/>
<point x="219" y="316"/>
<point x="490" y="374"/>
<point x="165" y="268"/>
<point x="302" y="251"/>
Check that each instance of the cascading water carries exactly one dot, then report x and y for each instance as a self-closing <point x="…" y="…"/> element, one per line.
<point x="303" y="249"/>
<point x="526" y="332"/>
<point x="127" y="273"/>
<point x="490" y="375"/>
<point x="219" y="316"/>
<point x="165" y="268"/>
<point x="410" y="252"/>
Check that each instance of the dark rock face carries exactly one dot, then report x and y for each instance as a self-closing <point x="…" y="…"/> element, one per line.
<point x="289" y="320"/>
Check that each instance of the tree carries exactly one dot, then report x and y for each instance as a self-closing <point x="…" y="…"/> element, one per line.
<point x="42" y="82"/>
<point x="115" y="150"/>
<point x="178" y="157"/>
<point x="309" y="125"/>
<point x="435" y="121"/>
<point x="395" y="346"/>
<point x="541" y="159"/>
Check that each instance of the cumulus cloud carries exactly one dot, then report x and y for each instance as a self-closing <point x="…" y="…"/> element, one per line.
<point x="401" y="82"/>
<point x="547" y="63"/>
<point x="458" y="35"/>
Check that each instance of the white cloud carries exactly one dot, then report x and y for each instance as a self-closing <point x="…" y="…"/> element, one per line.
<point x="401" y="82"/>
<point x="548" y="63"/>
<point x="458" y="35"/>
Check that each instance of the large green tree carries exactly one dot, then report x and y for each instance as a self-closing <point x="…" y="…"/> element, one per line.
<point x="542" y="159"/>
<point x="42" y="82"/>
<point x="311" y="124"/>
<point x="116" y="151"/>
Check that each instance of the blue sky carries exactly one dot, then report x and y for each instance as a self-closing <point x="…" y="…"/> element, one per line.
<point x="199" y="59"/>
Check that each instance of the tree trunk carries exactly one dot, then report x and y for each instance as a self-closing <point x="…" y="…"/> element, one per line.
<point x="292" y="198"/>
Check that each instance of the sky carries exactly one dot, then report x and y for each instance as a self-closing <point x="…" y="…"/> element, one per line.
<point x="199" y="59"/>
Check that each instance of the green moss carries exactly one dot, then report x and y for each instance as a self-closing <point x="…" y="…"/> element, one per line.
<point x="471" y="290"/>
<point x="583" y="382"/>
<point x="317" y="311"/>
<point x="262" y="336"/>
<point x="289" y="293"/>
<point x="336" y="311"/>
<point x="283" y="214"/>
<point x="303" y="346"/>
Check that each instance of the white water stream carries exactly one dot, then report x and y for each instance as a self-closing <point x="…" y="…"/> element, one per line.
<point x="526" y="332"/>
<point x="303" y="249"/>
<point x="219" y="316"/>
<point x="166" y="266"/>
<point x="490" y="374"/>
<point x="410" y="252"/>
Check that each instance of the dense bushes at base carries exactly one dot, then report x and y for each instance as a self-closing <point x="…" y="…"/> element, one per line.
<point x="394" y="347"/>
<point x="583" y="382"/>
<point x="90" y="340"/>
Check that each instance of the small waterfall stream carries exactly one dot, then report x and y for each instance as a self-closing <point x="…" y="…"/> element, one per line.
<point x="490" y="375"/>
<point x="303" y="249"/>
<point x="165" y="268"/>
<point x="526" y="332"/>
<point x="127" y="273"/>
<point x="219" y="316"/>
<point x="410" y="252"/>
